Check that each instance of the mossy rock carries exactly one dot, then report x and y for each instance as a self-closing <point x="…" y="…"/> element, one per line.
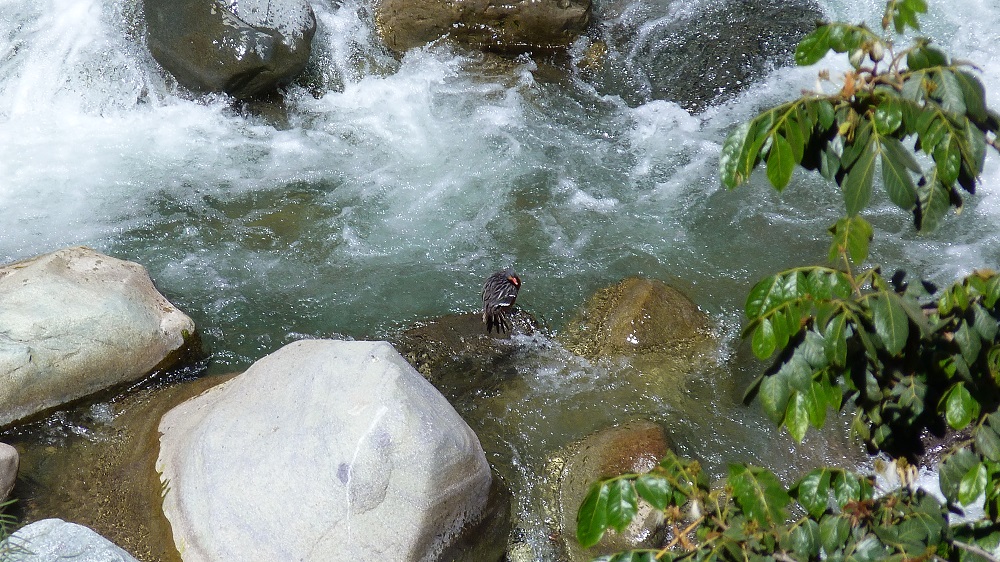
<point x="634" y="317"/>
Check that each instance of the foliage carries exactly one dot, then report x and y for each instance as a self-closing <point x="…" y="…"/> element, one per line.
<point x="829" y="511"/>
<point x="907" y="358"/>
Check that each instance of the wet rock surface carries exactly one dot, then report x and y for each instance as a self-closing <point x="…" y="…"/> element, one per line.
<point x="636" y="316"/>
<point x="696" y="54"/>
<point x="514" y="26"/>
<point x="245" y="48"/>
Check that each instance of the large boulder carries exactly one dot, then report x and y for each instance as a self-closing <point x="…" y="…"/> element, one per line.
<point x="246" y="48"/>
<point x="74" y="322"/>
<point x="55" y="539"/>
<point x="701" y="54"/>
<point x="508" y="26"/>
<point x="325" y="451"/>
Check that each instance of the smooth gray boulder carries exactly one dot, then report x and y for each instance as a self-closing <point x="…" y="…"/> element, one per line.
<point x="54" y="539"/>
<point x="508" y="26"/>
<point x="74" y="322"/>
<point x="322" y="451"/>
<point x="245" y="48"/>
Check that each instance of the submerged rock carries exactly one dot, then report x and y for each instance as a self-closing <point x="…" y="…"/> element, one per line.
<point x="635" y="447"/>
<point x="456" y="354"/>
<point x="513" y="26"/>
<point x="55" y="539"/>
<point x="245" y="48"/>
<point x="75" y="322"/>
<point x="697" y="54"/>
<point x="635" y="316"/>
<point x="324" y="450"/>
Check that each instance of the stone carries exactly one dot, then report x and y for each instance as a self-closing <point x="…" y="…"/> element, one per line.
<point x="245" y="48"/>
<point x="634" y="447"/>
<point x="324" y="450"/>
<point x="74" y="322"/>
<point x="9" y="460"/>
<point x="511" y="26"/>
<point x="457" y="356"/>
<point x="697" y="57"/>
<point x="635" y="316"/>
<point x="55" y="539"/>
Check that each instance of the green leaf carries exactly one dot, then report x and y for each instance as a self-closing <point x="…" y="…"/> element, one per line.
<point x="949" y="91"/>
<point x="825" y="114"/>
<point x="813" y="47"/>
<point x="813" y="491"/>
<point x="622" y="504"/>
<point x="834" y="531"/>
<point x="804" y="539"/>
<point x="759" y="494"/>
<point x="797" y="416"/>
<point x="853" y="235"/>
<point x="764" y="342"/>
<point x="935" y="200"/>
<point x="729" y="160"/>
<point x="896" y="162"/>
<point x="948" y="157"/>
<point x="988" y="437"/>
<point x="972" y="485"/>
<point x="780" y="162"/>
<point x="857" y="184"/>
<point x="654" y="489"/>
<point x="960" y="407"/>
<point x="891" y="322"/>
<point x="973" y="95"/>
<point x="888" y="116"/>
<point x="847" y="488"/>
<point x="968" y="342"/>
<point x="592" y="518"/>
<point x="925" y="56"/>
<point x="773" y="396"/>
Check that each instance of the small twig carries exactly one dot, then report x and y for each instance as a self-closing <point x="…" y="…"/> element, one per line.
<point x="976" y="550"/>
<point x="681" y="534"/>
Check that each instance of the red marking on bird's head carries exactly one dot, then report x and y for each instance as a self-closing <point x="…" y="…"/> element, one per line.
<point x="515" y="280"/>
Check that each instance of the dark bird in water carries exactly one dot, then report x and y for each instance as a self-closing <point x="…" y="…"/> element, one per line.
<point x="499" y="294"/>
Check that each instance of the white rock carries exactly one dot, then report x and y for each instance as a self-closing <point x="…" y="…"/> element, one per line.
<point x="9" y="461"/>
<point x="54" y="539"/>
<point x="322" y="451"/>
<point x="74" y="322"/>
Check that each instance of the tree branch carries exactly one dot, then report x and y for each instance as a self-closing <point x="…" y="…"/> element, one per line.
<point x="976" y="550"/>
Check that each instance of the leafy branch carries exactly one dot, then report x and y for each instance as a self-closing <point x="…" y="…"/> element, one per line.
<point x="906" y="358"/>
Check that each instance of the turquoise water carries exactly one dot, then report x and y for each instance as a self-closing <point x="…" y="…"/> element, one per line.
<point x="397" y="186"/>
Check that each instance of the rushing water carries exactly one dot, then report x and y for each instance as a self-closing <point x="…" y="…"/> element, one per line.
<point x="396" y="186"/>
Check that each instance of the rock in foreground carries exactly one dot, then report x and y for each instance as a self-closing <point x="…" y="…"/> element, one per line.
<point x="54" y="539"/>
<point x="635" y="447"/>
<point x="74" y="322"/>
<point x="324" y="451"/>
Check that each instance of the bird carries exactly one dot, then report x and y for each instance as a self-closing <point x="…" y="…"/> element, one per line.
<point x="499" y="294"/>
